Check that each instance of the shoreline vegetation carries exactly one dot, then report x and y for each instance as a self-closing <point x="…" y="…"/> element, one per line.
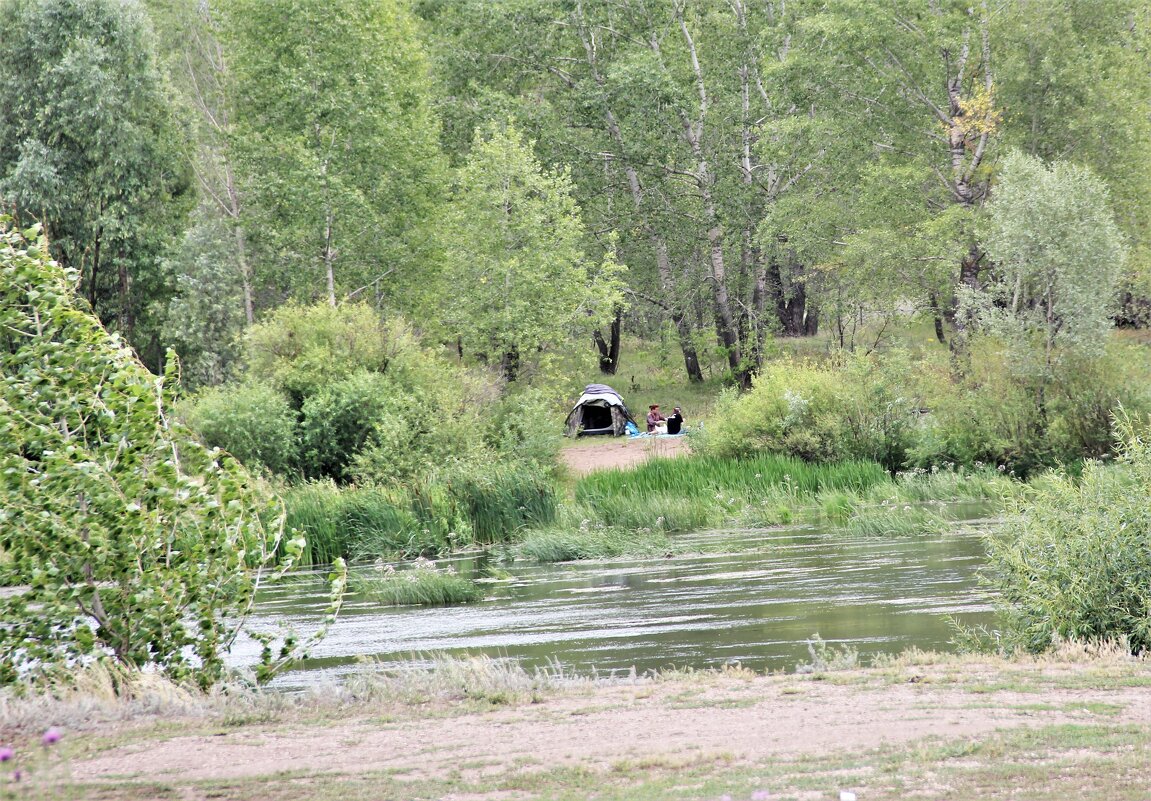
<point x="630" y="511"/>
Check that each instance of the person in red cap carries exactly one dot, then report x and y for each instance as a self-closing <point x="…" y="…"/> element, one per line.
<point x="655" y="420"/>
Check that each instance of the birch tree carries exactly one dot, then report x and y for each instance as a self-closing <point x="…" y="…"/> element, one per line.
<point x="335" y="143"/>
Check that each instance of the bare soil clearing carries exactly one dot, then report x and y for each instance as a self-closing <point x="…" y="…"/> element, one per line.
<point x="736" y="717"/>
<point x="583" y="457"/>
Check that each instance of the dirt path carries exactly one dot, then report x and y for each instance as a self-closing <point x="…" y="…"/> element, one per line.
<point x="733" y="717"/>
<point x="583" y="457"/>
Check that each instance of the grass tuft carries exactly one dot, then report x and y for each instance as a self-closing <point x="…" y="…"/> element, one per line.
<point x="566" y="545"/>
<point x="422" y="584"/>
<point x="894" y="521"/>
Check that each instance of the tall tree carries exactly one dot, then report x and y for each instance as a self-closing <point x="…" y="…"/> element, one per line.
<point x="87" y="148"/>
<point x="1058" y="253"/>
<point x="1075" y="86"/>
<point x="906" y="91"/>
<point x="518" y="281"/>
<point x="335" y="143"/>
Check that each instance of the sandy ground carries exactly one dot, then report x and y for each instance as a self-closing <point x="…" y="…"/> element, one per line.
<point x="601" y="453"/>
<point x="739" y="718"/>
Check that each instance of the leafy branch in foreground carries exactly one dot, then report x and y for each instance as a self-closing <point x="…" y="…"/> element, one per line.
<point x="123" y="537"/>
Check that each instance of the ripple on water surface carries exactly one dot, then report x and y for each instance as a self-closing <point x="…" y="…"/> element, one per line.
<point x="756" y="600"/>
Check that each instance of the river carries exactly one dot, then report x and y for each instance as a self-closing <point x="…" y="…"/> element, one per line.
<point x="755" y="597"/>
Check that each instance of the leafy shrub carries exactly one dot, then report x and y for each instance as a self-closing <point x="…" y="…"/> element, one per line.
<point x="252" y="421"/>
<point x="1071" y="559"/>
<point x="339" y="420"/>
<point x="302" y="349"/>
<point x="417" y="432"/>
<point x="1007" y="411"/>
<point x="129" y="539"/>
<point x="523" y="426"/>
<point x="814" y="412"/>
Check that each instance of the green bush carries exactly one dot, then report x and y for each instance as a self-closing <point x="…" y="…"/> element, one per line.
<point x="417" y="433"/>
<point x="1024" y="417"/>
<point x="1071" y="560"/>
<point x="818" y="413"/>
<point x="252" y="421"/>
<point x="302" y="349"/>
<point x="524" y="426"/>
<point x="339" y="420"/>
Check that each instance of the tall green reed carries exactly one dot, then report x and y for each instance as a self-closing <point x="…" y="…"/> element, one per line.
<point x="458" y="508"/>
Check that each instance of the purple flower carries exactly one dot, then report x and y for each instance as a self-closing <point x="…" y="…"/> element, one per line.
<point x="6" y="753"/>
<point x="17" y="775"/>
<point x="51" y="737"/>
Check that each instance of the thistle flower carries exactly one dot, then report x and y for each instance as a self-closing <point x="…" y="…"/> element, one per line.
<point x="50" y="737"/>
<point x="6" y="754"/>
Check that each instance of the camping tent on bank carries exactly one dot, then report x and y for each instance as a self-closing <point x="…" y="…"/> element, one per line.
<point x="599" y="410"/>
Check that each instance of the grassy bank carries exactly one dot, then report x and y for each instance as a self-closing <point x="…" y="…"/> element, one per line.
<point x="624" y="511"/>
<point x="449" y="512"/>
<point x="632" y="511"/>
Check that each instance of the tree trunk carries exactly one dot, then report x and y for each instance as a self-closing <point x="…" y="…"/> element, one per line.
<point x="811" y="321"/>
<point x="511" y="363"/>
<point x="609" y="352"/>
<point x="125" y="318"/>
<point x="937" y="315"/>
<point x="635" y="188"/>
<point x="245" y="272"/>
<point x="687" y="345"/>
<point x="329" y="258"/>
<point x="790" y="301"/>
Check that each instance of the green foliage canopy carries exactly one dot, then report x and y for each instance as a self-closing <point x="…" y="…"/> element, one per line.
<point x="518" y="280"/>
<point x="88" y="149"/>
<point x="335" y="143"/>
<point x="1058" y="250"/>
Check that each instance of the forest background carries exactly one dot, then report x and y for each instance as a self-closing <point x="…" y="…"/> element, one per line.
<point x="391" y="240"/>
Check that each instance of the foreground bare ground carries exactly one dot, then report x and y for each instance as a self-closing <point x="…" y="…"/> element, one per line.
<point x="737" y="718"/>
<point x="601" y="453"/>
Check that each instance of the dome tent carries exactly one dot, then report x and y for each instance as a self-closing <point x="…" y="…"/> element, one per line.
<point x="600" y="410"/>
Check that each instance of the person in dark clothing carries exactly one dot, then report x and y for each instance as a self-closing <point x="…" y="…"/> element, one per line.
<point x="655" y="420"/>
<point x="675" y="422"/>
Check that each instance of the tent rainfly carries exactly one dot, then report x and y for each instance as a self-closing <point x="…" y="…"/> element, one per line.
<point x="600" y="410"/>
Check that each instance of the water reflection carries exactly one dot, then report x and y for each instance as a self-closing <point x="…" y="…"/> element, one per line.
<point x="753" y="596"/>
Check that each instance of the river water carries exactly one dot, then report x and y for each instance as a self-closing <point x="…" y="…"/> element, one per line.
<point x="755" y="597"/>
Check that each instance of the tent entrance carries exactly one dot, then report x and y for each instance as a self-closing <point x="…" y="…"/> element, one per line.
<point x="597" y="419"/>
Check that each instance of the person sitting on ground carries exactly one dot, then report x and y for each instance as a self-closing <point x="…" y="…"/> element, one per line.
<point x="655" y="421"/>
<point x="675" y="422"/>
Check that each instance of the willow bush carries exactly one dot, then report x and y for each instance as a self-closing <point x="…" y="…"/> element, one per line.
<point x="1072" y="558"/>
<point x="124" y="537"/>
